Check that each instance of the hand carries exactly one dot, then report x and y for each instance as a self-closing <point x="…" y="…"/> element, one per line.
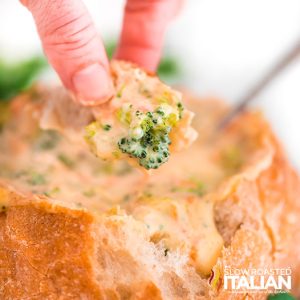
<point x="75" y="50"/>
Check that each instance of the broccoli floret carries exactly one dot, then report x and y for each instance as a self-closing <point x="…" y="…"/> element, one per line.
<point x="148" y="140"/>
<point x="151" y="150"/>
<point x="155" y="158"/>
<point x="133" y="147"/>
<point x="106" y="127"/>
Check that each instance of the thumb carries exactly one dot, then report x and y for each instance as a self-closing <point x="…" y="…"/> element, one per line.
<point x="73" y="47"/>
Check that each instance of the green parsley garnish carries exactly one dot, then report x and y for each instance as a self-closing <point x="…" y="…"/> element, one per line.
<point x="52" y="192"/>
<point x="36" y="179"/>
<point x="232" y="159"/>
<point x="180" y="109"/>
<point x="120" y="91"/>
<point x="67" y="161"/>
<point x="199" y="188"/>
<point x="89" y="193"/>
<point x="48" y="140"/>
<point x="106" y="127"/>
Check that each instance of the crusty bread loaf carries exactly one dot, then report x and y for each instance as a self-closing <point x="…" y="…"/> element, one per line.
<point x="52" y="248"/>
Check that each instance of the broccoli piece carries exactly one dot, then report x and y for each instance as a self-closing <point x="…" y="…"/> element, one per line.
<point x="180" y="109"/>
<point x="106" y="127"/>
<point x="36" y="179"/>
<point x="140" y="120"/>
<point x="132" y="147"/>
<point x="148" y="140"/>
<point x="66" y="160"/>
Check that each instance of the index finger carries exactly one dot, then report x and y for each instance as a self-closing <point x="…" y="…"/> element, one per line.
<point x="144" y="27"/>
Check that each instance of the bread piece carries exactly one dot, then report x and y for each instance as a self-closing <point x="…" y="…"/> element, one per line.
<point x="70" y="244"/>
<point x="143" y="122"/>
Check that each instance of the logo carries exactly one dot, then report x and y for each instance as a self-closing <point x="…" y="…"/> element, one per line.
<point x="257" y="280"/>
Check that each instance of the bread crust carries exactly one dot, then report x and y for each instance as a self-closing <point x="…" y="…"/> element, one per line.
<point x="51" y="251"/>
<point x="46" y="252"/>
<point x="259" y="217"/>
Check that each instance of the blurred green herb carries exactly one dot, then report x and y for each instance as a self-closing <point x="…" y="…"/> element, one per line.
<point x="53" y="192"/>
<point x="66" y="160"/>
<point x="4" y="113"/>
<point x="281" y="296"/>
<point x="199" y="188"/>
<point x="47" y="140"/>
<point x="195" y="187"/>
<point x="232" y="159"/>
<point x="18" y="77"/>
<point x="110" y="47"/>
<point x="168" y="68"/>
<point x="36" y="179"/>
<point x="106" y="127"/>
<point x="89" y="193"/>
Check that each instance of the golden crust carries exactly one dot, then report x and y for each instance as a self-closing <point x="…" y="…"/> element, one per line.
<point x="46" y="253"/>
<point x="259" y="218"/>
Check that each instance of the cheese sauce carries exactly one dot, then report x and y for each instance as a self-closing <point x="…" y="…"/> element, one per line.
<point x="171" y="202"/>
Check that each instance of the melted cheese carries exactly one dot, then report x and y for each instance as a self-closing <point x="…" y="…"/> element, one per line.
<point x="186" y="224"/>
<point x="171" y="203"/>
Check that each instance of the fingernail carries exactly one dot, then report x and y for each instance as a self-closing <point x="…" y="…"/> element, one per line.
<point x="92" y="85"/>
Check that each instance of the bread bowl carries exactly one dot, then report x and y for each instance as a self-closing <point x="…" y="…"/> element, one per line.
<point x="74" y="227"/>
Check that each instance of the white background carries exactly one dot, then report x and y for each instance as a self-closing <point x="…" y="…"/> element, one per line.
<point x="225" y="46"/>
